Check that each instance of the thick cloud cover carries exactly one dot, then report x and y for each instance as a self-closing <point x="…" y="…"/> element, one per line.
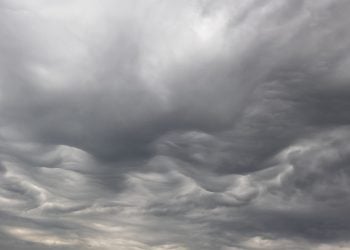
<point x="179" y="125"/>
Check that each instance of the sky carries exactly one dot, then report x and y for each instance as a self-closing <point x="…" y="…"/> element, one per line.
<point x="174" y="125"/>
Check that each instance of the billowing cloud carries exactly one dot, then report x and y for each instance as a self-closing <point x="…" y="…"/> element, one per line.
<point x="174" y="125"/>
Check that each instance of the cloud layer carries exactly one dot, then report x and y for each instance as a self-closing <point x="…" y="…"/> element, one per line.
<point x="174" y="125"/>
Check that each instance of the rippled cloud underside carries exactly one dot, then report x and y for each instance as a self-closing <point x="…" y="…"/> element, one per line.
<point x="175" y="125"/>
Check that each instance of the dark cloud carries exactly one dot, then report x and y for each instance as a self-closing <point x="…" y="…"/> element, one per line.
<point x="174" y="125"/>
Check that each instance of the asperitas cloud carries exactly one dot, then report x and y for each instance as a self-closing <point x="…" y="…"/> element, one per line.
<point x="174" y="125"/>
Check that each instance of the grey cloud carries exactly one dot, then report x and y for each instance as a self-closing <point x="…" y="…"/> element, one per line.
<point x="174" y="125"/>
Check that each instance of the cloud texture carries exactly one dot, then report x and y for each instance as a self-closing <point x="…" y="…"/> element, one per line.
<point x="174" y="125"/>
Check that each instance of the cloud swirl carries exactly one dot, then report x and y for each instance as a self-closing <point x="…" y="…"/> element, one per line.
<point x="174" y="125"/>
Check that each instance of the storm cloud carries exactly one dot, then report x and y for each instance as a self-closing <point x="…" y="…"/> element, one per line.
<point x="182" y="125"/>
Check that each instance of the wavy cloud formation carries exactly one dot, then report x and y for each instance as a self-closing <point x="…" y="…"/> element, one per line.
<point x="174" y="125"/>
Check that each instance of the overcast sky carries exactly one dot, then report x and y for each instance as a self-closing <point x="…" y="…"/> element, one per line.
<point x="174" y="124"/>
